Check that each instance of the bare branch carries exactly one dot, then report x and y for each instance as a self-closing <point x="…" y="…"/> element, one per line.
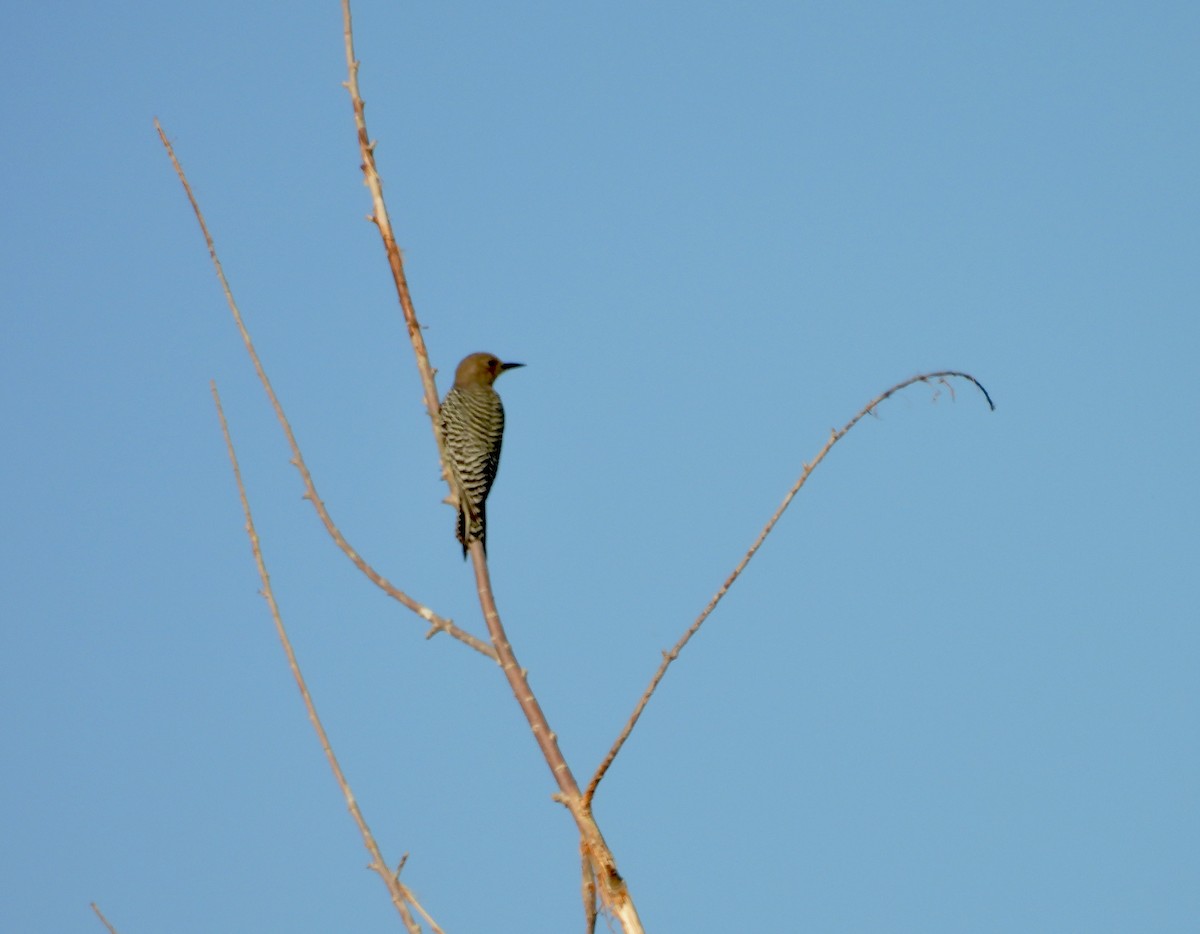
<point x="612" y="890"/>
<point x="942" y="376"/>
<point x="103" y="920"/>
<point x="437" y="623"/>
<point x="401" y="896"/>
<point x="380" y="218"/>
<point x="546" y="739"/>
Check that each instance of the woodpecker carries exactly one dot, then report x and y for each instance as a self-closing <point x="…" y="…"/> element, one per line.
<point x="472" y="420"/>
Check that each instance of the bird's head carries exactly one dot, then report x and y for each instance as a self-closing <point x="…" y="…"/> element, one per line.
<point x="480" y="369"/>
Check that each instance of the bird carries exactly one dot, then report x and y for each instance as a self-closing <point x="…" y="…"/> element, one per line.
<point x="472" y="422"/>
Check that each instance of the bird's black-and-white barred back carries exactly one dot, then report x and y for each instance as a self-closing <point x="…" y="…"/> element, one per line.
<point x="472" y="420"/>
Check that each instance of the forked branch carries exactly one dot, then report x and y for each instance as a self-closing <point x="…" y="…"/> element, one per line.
<point x="599" y="864"/>
<point x="611" y="888"/>
<point x="437" y="623"/>
<point x="942" y="376"/>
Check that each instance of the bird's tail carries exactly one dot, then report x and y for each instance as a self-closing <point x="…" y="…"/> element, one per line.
<point x="477" y="524"/>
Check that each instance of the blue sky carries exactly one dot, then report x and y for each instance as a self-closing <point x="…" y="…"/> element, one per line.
<point x="957" y="689"/>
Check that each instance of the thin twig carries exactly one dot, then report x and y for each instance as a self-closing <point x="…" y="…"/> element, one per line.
<point x="104" y="920"/>
<point x="437" y="623"/>
<point x="400" y="893"/>
<point x="668" y="657"/>
<point x="380" y="218"/>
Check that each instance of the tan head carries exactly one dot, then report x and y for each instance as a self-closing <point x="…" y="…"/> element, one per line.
<point x="480" y="369"/>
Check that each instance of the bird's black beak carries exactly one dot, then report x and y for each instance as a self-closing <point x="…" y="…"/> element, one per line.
<point x="509" y="366"/>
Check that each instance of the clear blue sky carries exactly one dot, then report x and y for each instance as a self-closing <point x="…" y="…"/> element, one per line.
<point x="957" y="690"/>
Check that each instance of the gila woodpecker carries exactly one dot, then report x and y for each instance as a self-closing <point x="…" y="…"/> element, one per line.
<point x="472" y="427"/>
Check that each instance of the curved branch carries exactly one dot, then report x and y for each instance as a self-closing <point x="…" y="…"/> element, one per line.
<point x="941" y="376"/>
<point x="437" y="623"/>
